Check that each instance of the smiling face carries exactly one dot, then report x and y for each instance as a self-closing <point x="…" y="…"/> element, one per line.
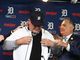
<point x="66" y="27"/>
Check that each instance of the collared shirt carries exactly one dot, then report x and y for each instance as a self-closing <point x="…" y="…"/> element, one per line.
<point x="67" y="38"/>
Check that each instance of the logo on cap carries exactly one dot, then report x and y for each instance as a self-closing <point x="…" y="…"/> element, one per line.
<point x="38" y="18"/>
<point x="37" y="9"/>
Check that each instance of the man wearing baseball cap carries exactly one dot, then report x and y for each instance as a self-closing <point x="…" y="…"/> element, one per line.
<point x="26" y="41"/>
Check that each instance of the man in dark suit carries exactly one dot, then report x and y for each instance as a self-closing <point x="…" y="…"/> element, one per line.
<point x="70" y="45"/>
<point x="67" y="47"/>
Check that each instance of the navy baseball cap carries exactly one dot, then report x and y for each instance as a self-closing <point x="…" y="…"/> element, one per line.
<point x="37" y="18"/>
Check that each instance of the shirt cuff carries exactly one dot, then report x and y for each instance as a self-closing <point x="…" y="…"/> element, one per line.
<point x="68" y="47"/>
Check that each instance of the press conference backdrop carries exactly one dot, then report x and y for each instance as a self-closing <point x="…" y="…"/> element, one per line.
<point x="12" y="14"/>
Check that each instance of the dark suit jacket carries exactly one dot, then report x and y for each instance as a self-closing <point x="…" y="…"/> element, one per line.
<point x="73" y="54"/>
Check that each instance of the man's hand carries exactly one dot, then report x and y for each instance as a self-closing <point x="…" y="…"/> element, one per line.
<point x="1" y="38"/>
<point x="47" y="42"/>
<point x="61" y="43"/>
<point x="24" y="40"/>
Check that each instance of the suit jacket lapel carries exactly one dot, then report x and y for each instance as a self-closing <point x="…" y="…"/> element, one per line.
<point x="71" y="39"/>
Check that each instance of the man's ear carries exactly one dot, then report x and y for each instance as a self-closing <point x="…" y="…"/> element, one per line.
<point x="72" y="27"/>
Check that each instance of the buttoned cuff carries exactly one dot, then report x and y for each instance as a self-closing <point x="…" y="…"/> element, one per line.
<point x="68" y="47"/>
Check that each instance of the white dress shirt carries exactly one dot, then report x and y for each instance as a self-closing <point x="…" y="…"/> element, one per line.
<point x="67" y="38"/>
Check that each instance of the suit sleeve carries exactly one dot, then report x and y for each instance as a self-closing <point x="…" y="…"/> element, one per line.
<point x="75" y="47"/>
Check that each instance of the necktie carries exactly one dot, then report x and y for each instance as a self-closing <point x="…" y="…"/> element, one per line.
<point x="64" y="39"/>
